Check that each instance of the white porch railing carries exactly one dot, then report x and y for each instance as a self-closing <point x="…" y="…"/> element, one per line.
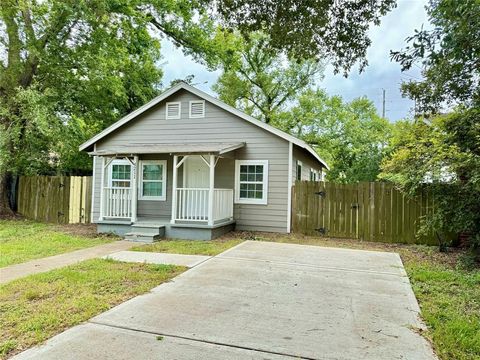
<point x="222" y="204"/>
<point x="117" y="202"/>
<point x="192" y="204"/>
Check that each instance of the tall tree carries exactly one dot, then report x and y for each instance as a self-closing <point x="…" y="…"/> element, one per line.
<point x="350" y="136"/>
<point x="449" y="56"/>
<point x="69" y="68"/>
<point x="322" y="29"/>
<point x="261" y="80"/>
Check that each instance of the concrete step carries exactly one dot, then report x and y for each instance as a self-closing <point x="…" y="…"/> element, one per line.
<point x="144" y="237"/>
<point x="153" y="229"/>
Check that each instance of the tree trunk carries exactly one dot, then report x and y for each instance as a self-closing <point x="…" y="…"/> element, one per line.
<point x="5" y="185"/>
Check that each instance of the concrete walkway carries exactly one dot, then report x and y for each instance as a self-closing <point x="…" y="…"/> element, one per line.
<point x="16" y="271"/>
<point x="157" y="258"/>
<point x="261" y="300"/>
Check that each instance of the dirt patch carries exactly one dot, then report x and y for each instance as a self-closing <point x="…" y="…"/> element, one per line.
<point x="82" y="230"/>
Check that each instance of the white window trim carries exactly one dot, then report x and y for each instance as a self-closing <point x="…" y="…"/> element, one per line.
<point x="110" y="170"/>
<point x="163" y="197"/>
<point x="296" y="170"/>
<point x="179" y="110"/>
<point x="262" y="201"/>
<point x="190" y="109"/>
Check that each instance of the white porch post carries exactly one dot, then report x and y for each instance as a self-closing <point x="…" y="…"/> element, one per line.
<point x="211" y="189"/>
<point x="134" y="188"/>
<point x="174" y="189"/>
<point x="102" y="190"/>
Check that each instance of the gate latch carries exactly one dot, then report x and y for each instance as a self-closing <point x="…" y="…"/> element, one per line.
<point x="355" y="206"/>
<point x="321" y="193"/>
<point x="322" y="230"/>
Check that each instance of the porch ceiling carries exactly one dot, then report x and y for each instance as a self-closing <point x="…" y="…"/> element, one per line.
<point x="177" y="149"/>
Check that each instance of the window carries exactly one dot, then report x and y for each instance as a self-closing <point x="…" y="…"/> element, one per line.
<point x="197" y="109"/>
<point x="120" y="174"/>
<point x="313" y="175"/>
<point x="299" y="170"/>
<point x="251" y="181"/>
<point x="173" y="110"/>
<point x="153" y="180"/>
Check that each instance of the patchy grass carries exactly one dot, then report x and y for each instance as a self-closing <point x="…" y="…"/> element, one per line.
<point x="23" y="240"/>
<point x="191" y="247"/>
<point x="37" y="307"/>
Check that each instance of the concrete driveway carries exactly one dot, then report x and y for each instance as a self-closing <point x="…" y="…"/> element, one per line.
<point x="261" y="300"/>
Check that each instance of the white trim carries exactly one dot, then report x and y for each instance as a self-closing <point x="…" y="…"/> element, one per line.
<point x="290" y="181"/>
<point x="162" y="197"/>
<point x="190" y="109"/>
<point x="134" y="184"/>
<point x="174" y="189"/>
<point x="176" y="117"/>
<point x="102" y="185"/>
<point x="212" y="100"/>
<point x="211" y="189"/>
<point x="264" y="199"/>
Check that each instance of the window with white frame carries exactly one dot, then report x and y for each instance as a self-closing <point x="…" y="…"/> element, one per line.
<point x="197" y="109"/>
<point x="120" y="174"/>
<point x="153" y="180"/>
<point x="299" y="170"/>
<point x="251" y="181"/>
<point x="313" y="175"/>
<point x="173" y="110"/>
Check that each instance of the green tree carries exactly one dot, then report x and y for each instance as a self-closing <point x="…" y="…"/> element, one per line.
<point x="350" y="136"/>
<point x="261" y="80"/>
<point x="70" y="68"/>
<point x="449" y="55"/>
<point x="321" y="29"/>
<point x="442" y="155"/>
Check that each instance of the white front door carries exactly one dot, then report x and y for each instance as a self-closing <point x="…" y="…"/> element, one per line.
<point x="196" y="175"/>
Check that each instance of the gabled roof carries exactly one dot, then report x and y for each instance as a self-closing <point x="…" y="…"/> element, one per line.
<point x="211" y="99"/>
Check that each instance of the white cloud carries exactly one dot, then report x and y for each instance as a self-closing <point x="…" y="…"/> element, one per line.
<point x="381" y="73"/>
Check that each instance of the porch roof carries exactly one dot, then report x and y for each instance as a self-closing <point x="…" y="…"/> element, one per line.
<point x="179" y="149"/>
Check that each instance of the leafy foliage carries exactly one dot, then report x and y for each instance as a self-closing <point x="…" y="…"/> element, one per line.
<point x="351" y="137"/>
<point x="449" y="55"/>
<point x="261" y="80"/>
<point x="443" y="155"/>
<point x="336" y="30"/>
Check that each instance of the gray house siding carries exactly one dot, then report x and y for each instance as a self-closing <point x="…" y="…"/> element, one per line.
<point x="308" y="163"/>
<point x="218" y="125"/>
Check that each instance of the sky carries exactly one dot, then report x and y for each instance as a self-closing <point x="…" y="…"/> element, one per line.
<point x="380" y="74"/>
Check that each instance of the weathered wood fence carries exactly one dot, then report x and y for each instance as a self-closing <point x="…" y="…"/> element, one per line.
<point x="55" y="199"/>
<point x="373" y="211"/>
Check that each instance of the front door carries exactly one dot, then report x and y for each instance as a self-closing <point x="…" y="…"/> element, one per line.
<point x="196" y="173"/>
<point x="196" y="176"/>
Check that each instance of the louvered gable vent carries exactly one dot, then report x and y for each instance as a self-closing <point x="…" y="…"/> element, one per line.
<point x="197" y="109"/>
<point x="173" y="110"/>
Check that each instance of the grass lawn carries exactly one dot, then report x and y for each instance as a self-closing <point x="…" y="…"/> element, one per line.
<point x="449" y="297"/>
<point x="23" y="240"/>
<point x="35" y="308"/>
<point x="191" y="247"/>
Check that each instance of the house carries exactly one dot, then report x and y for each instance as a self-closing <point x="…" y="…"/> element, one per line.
<point x="186" y="165"/>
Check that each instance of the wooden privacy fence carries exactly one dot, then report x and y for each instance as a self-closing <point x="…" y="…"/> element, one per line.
<point x="372" y="211"/>
<point x="55" y="199"/>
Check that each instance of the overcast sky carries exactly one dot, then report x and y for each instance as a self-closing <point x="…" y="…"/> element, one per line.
<point x="380" y="74"/>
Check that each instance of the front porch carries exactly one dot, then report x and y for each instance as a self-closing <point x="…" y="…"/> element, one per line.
<point x="130" y="179"/>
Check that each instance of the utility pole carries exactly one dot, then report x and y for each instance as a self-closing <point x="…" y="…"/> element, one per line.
<point x="383" y="104"/>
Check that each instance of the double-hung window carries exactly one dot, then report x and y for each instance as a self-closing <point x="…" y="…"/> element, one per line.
<point x="120" y="174"/>
<point x="299" y="170"/>
<point x="153" y="180"/>
<point x="251" y="181"/>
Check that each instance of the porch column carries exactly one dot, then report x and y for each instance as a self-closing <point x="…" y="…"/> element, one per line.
<point x="102" y="190"/>
<point x="211" y="189"/>
<point x="174" y="189"/>
<point x="134" y="189"/>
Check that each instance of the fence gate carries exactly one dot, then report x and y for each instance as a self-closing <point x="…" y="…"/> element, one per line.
<point x="326" y="209"/>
